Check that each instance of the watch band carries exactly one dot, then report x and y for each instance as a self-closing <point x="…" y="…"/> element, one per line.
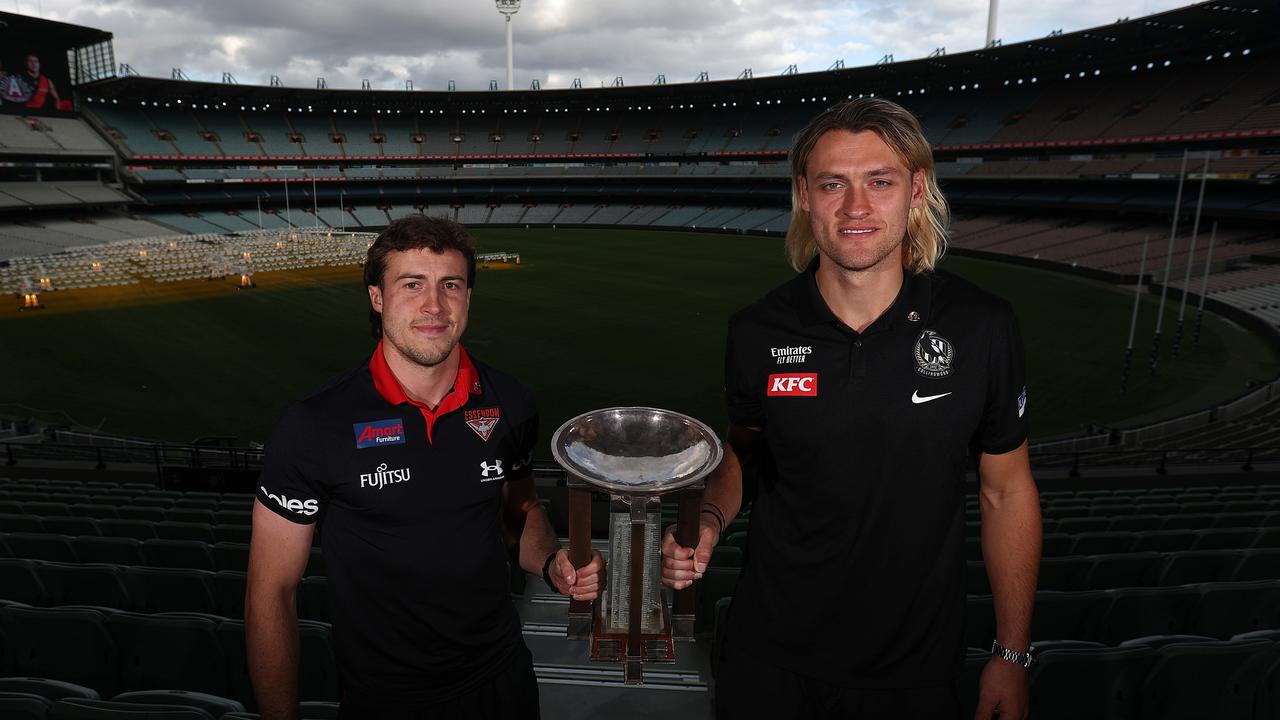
<point x="1023" y="659"/>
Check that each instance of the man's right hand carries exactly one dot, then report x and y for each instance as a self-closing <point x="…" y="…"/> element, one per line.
<point x="682" y="565"/>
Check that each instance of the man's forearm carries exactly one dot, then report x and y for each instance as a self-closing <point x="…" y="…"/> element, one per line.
<point x="1011" y="541"/>
<point x="271" y="638"/>
<point x="537" y="540"/>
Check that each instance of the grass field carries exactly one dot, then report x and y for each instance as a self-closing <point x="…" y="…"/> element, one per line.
<point x="589" y="319"/>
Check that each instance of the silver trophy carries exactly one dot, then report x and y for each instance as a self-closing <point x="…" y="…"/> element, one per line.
<point x="636" y="455"/>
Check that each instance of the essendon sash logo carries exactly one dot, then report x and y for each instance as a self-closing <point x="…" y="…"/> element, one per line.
<point x="379" y="432"/>
<point x="794" y="384"/>
<point x="483" y="421"/>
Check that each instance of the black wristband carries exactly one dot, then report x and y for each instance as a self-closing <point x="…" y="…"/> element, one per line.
<point x="715" y="516"/>
<point x="546" y="572"/>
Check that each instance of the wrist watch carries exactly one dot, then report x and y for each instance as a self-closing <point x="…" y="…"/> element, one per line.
<point x="1023" y="659"/>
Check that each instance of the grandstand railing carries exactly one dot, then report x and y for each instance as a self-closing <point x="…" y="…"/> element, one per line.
<point x="103" y="454"/>
<point x="1158" y="460"/>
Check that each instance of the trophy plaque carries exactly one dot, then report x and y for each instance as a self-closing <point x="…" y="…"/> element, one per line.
<point x="636" y="455"/>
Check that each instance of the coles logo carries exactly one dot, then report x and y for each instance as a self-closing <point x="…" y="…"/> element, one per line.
<point x="794" y="385"/>
<point x="293" y="505"/>
<point x="379" y="432"/>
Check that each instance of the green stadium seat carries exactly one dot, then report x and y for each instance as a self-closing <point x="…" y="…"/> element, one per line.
<point x="1202" y="507"/>
<point x="171" y="590"/>
<point x="212" y="704"/>
<point x="1224" y="539"/>
<point x="178" y="554"/>
<point x="46" y="509"/>
<point x="189" y="515"/>
<point x="85" y="584"/>
<point x="81" y="709"/>
<point x="1228" y="609"/>
<point x="232" y="533"/>
<point x="127" y="527"/>
<point x="51" y="690"/>
<point x="23" y="706"/>
<point x="1068" y="615"/>
<point x="170" y="652"/>
<point x="1096" y="683"/>
<point x="1054" y="545"/>
<point x="1267" y="538"/>
<point x="1077" y="525"/>
<point x="117" y="550"/>
<point x="1189" y="521"/>
<point x="1251" y="520"/>
<point x="1136" y="523"/>
<point x="1137" y="612"/>
<point x="41" y="546"/>
<point x="97" y="511"/>
<point x="1062" y="573"/>
<point x="313" y="598"/>
<point x="20" y="523"/>
<point x="1123" y="570"/>
<point x="235" y="556"/>
<point x="196" y="502"/>
<point x="228" y="590"/>
<point x="70" y="644"/>
<point x="1258" y="564"/>
<point x="317" y="672"/>
<point x="71" y="525"/>
<point x="1164" y="541"/>
<point x="1197" y="566"/>
<point x="1101" y="543"/>
<point x="233" y="517"/>
<point x="140" y="512"/>
<point x="21" y="583"/>
<point x="1047" y="645"/>
<point x="1155" y="642"/>
<point x="10" y="507"/>
<point x="177" y="530"/>
<point x="1198" y="680"/>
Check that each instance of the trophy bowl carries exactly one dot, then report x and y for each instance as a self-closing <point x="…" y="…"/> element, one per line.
<point x="637" y="450"/>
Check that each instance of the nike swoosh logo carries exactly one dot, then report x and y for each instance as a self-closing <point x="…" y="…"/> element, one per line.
<point x="918" y="400"/>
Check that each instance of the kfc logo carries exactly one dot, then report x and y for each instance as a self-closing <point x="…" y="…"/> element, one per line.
<point x="794" y="385"/>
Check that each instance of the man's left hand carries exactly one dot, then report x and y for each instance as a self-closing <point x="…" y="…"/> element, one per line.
<point x="1002" y="687"/>
<point x="580" y="584"/>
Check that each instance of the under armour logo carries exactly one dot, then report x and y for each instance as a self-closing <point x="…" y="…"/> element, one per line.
<point x="495" y="468"/>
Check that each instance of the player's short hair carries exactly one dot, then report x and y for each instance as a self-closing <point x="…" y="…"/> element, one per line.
<point x="926" y="226"/>
<point x="414" y="232"/>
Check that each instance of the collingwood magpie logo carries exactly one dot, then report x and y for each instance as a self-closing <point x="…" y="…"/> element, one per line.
<point x="382" y="477"/>
<point x="934" y="355"/>
<point x="491" y="471"/>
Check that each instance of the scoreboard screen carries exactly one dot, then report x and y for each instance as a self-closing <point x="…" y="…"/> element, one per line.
<point x="34" y="77"/>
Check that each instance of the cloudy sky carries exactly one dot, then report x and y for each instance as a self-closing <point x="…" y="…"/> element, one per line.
<point x="434" y="41"/>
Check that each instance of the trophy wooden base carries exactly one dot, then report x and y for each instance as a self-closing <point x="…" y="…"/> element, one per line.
<point x="632" y="649"/>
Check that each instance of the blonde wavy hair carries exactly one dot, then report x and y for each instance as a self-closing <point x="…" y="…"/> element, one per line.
<point x="926" y="225"/>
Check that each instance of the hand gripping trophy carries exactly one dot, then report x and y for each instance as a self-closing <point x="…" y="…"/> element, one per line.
<point x="636" y="455"/>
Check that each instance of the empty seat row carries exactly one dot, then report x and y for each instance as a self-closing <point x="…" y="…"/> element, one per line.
<point x="129" y="509"/>
<point x="1217" y="610"/>
<point x="154" y="552"/>
<point x="1238" y="678"/>
<point x="1097" y="543"/>
<point x="1144" y="569"/>
<point x="1148" y="519"/>
<point x="119" y="651"/>
<point x="142" y="589"/>
<point x="115" y="527"/>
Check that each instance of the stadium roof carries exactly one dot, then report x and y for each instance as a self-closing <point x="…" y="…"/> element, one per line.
<point x="1177" y="36"/>
<point x="18" y="29"/>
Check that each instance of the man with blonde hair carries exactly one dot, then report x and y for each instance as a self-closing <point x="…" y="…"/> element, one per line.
<point x="859" y="393"/>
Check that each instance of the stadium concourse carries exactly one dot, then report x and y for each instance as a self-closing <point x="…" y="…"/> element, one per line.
<point x="122" y="561"/>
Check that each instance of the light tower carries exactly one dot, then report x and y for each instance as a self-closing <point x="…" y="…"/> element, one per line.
<point x="993" y="9"/>
<point x="509" y="8"/>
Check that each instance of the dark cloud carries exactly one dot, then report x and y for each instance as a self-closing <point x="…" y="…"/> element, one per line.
<point x="434" y="41"/>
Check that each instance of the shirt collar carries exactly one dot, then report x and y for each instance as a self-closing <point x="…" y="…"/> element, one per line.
<point x="465" y="384"/>
<point x="913" y="296"/>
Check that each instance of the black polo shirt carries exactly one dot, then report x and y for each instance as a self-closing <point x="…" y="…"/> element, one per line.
<point x="855" y="562"/>
<point x="408" y="501"/>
